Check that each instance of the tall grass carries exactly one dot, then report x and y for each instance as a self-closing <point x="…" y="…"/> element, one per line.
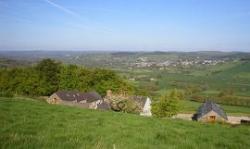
<point x="34" y="124"/>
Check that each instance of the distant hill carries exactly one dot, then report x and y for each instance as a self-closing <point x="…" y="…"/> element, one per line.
<point x="8" y="63"/>
<point x="78" y="57"/>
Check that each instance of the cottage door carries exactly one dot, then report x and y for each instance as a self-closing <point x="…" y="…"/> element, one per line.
<point x="212" y="118"/>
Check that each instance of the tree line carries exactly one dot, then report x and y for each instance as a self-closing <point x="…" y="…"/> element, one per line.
<point x="49" y="76"/>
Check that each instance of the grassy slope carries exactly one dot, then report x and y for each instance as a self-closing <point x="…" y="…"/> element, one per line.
<point x="34" y="124"/>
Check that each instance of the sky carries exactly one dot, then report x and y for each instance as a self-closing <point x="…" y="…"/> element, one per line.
<point x="125" y="25"/>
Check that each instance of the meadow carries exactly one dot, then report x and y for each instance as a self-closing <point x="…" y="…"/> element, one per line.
<point x="30" y="123"/>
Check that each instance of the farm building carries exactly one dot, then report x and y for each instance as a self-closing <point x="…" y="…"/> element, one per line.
<point x="210" y="112"/>
<point x="90" y="100"/>
<point x="145" y="104"/>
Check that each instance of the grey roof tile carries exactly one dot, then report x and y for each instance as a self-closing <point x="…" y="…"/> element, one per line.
<point x="78" y="96"/>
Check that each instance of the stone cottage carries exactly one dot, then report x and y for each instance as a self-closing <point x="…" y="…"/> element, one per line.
<point x="210" y="112"/>
<point x="90" y="100"/>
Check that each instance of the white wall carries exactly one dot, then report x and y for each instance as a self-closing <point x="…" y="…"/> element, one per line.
<point x="146" y="111"/>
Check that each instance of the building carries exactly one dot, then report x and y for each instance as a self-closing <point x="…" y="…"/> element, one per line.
<point x="145" y="105"/>
<point x="146" y="111"/>
<point x="90" y="100"/>
<point x="210" y="112"/>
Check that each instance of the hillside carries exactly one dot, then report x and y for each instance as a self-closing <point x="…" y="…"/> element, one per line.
<point x="28" y="123"/>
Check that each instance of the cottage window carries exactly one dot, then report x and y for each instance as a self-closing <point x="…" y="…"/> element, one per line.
<point x="212" y="118"/>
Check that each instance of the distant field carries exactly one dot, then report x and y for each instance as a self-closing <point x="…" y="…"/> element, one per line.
<point x="27" y="123"/>
<point x="207" y="82"/>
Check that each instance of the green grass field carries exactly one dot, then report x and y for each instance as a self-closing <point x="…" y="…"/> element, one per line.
<point x="27" y="123"/>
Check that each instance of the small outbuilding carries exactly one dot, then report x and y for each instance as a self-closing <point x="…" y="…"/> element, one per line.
<point x="210" y="112"/>
<point x="145" y="105"/>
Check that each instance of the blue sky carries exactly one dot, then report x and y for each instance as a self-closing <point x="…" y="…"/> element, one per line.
<point x="180" y="25"/>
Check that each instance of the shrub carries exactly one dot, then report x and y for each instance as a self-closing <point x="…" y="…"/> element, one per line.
<point x="168" y="105"/>
<point x="125" y="105"/>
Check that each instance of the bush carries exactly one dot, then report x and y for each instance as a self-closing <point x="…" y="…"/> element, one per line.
<point x="125" y="105"/>
<point x="168" y="105"/>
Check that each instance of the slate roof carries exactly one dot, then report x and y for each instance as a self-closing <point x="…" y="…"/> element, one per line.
<point x="69" y="95"/>
<point x="210" y="106"/>
<point x="78" y="96"/>
<point x="91" y="97"/>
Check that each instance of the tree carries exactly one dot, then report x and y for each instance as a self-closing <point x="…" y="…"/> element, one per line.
<point x="49" y="76"/>
<point x="168" y="105"/>
<point x="49" y="71"/>
<point x="69" y="78"/>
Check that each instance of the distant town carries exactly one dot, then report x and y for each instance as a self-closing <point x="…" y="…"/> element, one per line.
<point x="143" y="62"/>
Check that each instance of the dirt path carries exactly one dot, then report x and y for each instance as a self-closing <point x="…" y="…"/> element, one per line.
<point x="237" y="119"/>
